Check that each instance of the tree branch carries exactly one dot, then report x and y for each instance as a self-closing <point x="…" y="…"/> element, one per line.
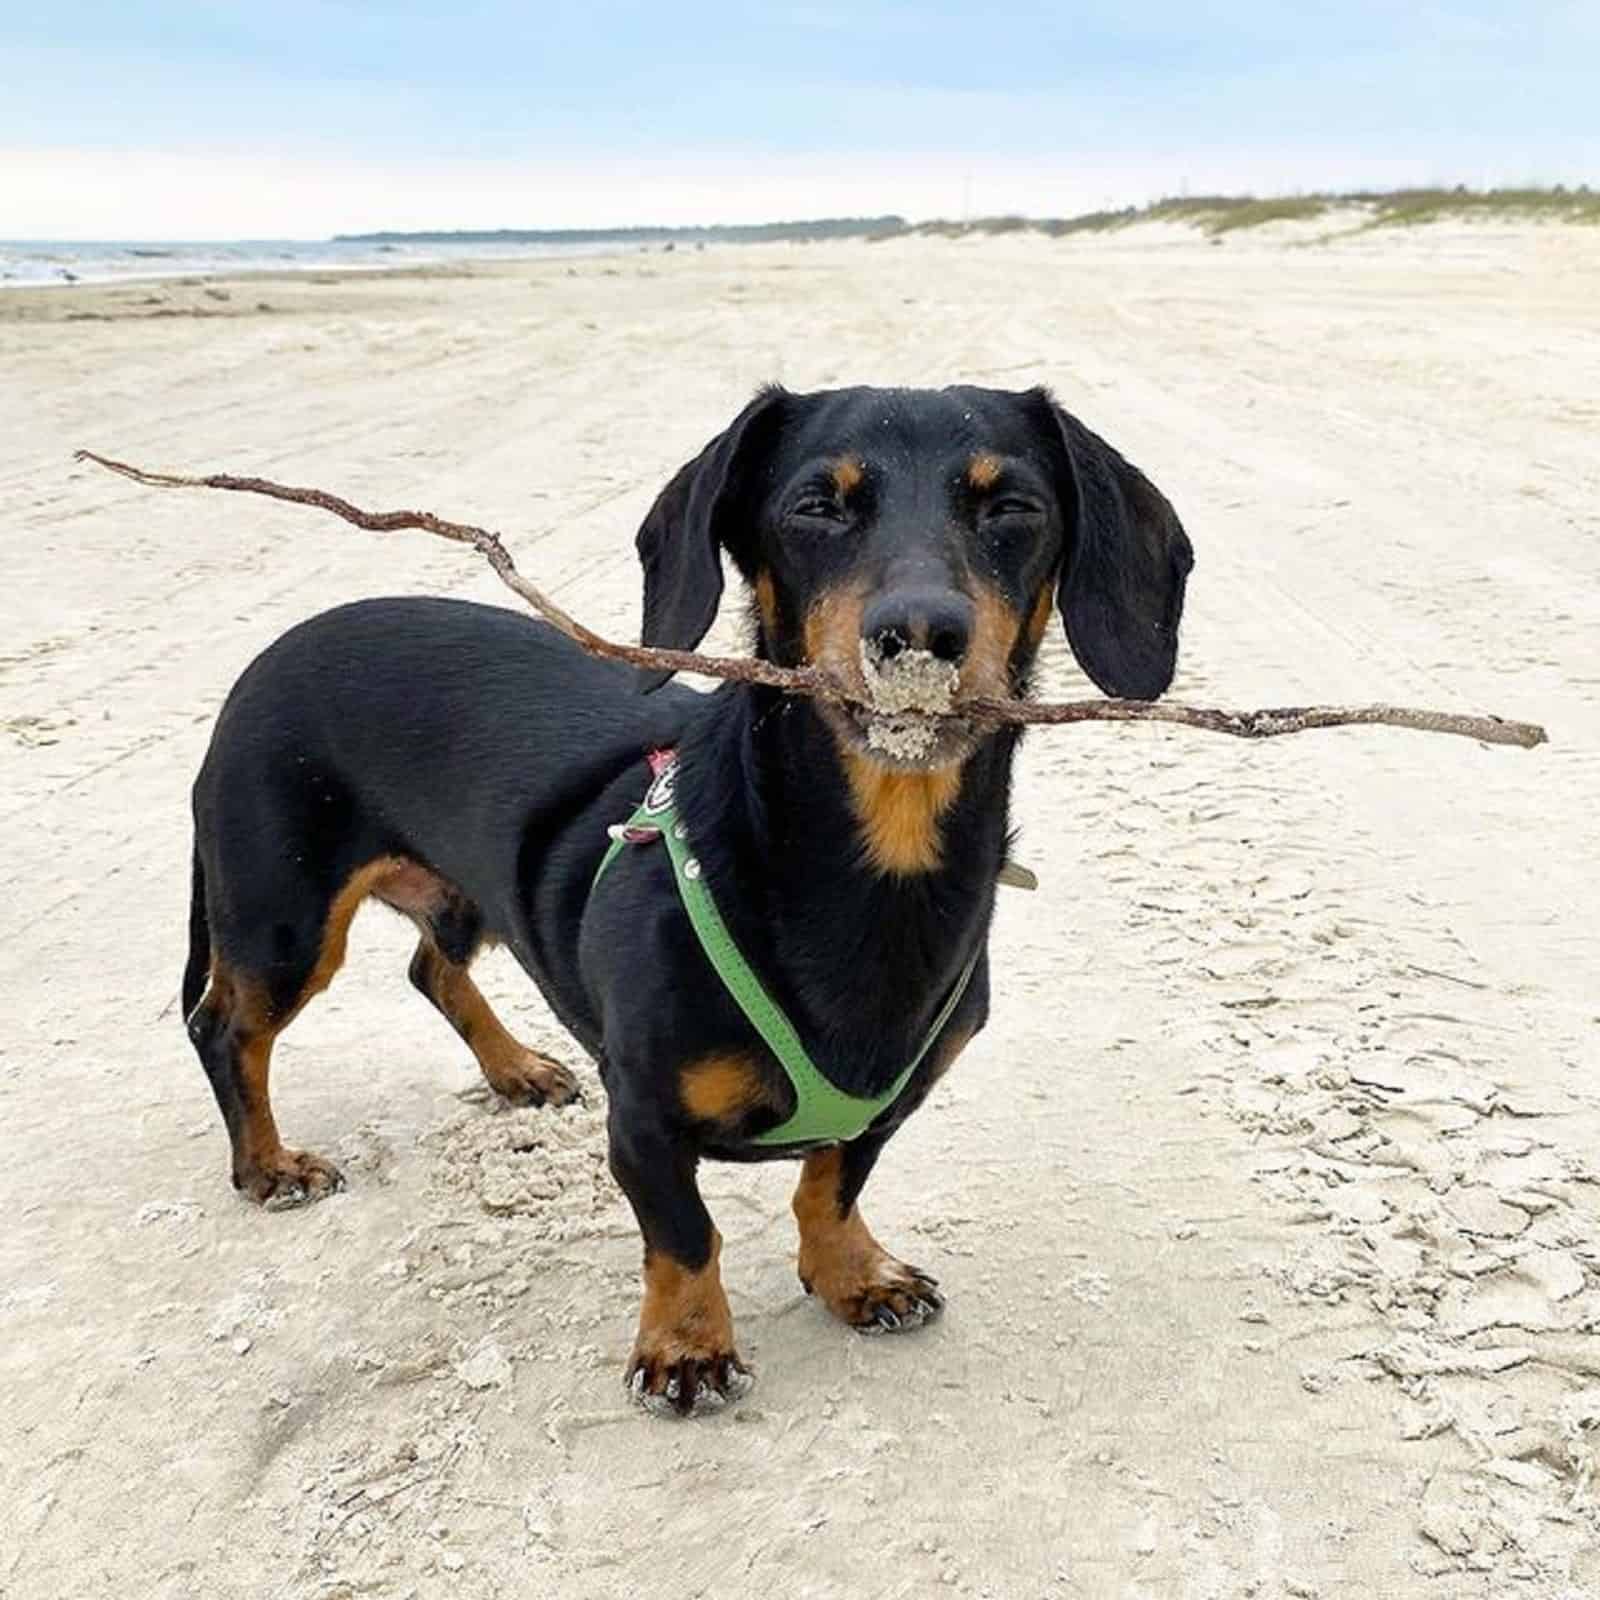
<point x="822" y="686"/>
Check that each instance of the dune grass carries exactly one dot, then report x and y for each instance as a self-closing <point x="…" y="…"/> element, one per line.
<point x="1217" y="215"/>
<point x="1408" y="207"/>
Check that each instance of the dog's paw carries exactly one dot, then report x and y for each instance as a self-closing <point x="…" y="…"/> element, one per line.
<point x="886" y="1296"/>
<point x="684" y="1363"/>
<point x="291" y="1178"/>
<point x="533" y="1080"/>
<point x="678" y="1385"/>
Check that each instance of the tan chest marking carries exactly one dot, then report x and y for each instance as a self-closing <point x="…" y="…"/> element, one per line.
<point x="900" y="813"/>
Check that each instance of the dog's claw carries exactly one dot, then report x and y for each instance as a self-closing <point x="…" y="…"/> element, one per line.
<point x="533" y="1080"/>
<point x="690" y="1387"/>
<point x="296" y="1178"/>
<point x="894" y="1304"/>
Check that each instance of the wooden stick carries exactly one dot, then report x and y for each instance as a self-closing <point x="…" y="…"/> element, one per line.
<point x="812" y="681"/>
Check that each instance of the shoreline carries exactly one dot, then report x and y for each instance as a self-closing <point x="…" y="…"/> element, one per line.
<point x="148" y="298"/>
<point x="70" y="273"/>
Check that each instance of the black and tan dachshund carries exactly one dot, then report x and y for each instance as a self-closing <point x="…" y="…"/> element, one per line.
<point x="466" y="766"/>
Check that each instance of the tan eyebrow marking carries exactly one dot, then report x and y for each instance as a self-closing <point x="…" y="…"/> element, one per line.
<point x="983" y="471"/>
<point x="847" y="473"/>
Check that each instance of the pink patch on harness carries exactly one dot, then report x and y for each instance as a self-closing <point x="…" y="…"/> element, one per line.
<point x="625" y="833"/>
<point x="660" y="760"/>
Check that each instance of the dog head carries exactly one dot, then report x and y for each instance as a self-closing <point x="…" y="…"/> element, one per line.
<point x="913" y="542"/>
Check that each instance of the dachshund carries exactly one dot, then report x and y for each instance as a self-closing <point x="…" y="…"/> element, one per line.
<point x="480" y="774"/>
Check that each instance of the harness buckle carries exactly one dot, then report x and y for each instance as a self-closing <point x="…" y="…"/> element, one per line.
<point x="626" y="833"/>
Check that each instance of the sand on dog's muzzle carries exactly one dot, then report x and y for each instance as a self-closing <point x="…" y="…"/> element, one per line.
<point x="906" y="694"/>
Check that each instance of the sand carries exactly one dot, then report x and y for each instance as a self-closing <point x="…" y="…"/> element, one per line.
<point x="1268" y="1206"/>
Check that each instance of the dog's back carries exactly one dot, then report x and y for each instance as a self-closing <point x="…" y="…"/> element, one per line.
<point x="507" y="723"/>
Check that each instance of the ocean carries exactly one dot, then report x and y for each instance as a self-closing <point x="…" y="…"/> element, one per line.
<point x="34" y="262"/>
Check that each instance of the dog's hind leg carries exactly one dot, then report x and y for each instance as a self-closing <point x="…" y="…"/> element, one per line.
<point x="233" y="1029"/>
<point x="452" y="935"/>
<point x="511" y="1069"/>
<point x="279" y="944"/>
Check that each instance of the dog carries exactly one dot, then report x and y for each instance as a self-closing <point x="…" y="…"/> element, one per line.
<point x="477" y="772"/>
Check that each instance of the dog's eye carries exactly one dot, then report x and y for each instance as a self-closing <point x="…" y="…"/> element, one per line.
<point x="817" y="508"/>
<point x="1011" y="505"/>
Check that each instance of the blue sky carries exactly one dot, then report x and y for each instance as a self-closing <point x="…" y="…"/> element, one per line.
<point x="306" y="116"/>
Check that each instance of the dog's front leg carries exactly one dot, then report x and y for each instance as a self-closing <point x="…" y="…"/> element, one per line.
<point x="858" y="1279"/>
<point x="684" y="1360"/>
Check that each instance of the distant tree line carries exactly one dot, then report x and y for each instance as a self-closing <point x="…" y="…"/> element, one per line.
<point x="714" y="233"/>
<point x="1215" y="214"/>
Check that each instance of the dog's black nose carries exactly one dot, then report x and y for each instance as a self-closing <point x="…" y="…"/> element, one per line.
<point x="936" y="620"/>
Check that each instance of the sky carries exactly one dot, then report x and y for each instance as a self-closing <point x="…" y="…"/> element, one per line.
<point x="301" y="118"/>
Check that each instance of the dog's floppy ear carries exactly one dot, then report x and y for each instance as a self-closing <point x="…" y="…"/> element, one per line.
<point x="681" y="538"/>
<point x="1122" y="577"/>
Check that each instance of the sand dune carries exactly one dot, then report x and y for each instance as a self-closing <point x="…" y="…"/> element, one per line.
<point x="1268" y="1205"/>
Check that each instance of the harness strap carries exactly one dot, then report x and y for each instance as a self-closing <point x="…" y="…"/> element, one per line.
<point x="823" y="1114"/>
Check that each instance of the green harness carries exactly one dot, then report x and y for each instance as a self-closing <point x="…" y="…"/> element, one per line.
<point x="823" y="1114"/>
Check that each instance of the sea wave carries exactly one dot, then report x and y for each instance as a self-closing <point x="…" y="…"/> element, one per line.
<point x="35" y="262"/>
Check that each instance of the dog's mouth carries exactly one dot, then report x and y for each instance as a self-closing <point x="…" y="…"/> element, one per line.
<point x="908" y="715"/>
<point x="908" y="740"/>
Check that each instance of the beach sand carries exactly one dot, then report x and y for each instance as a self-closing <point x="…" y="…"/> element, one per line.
<point x="1268" y="1205"/>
